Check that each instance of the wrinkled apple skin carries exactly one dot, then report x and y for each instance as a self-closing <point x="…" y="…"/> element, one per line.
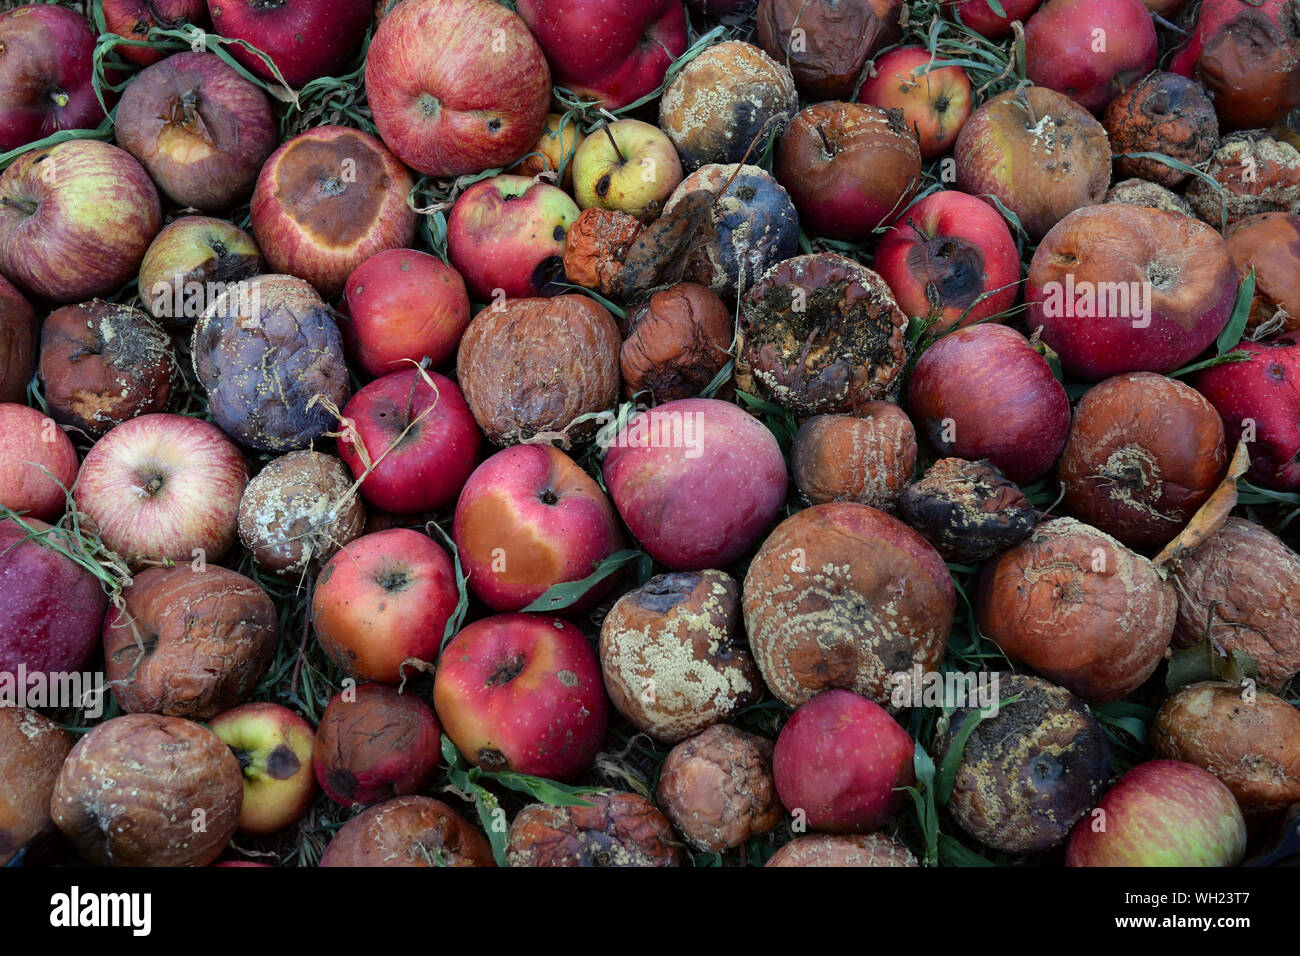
<point x="1162" y="813"/>
<point x="46" y="71"/>
<point x="841" y="759"/>
<point x="1260" y="399"/>
<point x="529" y="518"/>
<point x="1061" y="48"/>
<point x="703" y="502"/>
<point x="51" y="609"/>
<point x="522" y="693"/>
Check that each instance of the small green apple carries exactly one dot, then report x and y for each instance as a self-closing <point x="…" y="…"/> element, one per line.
<point x="627" y="165"/>
<point x="274" y="747"/>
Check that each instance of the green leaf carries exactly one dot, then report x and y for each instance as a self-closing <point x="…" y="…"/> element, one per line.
<point x="997" y="8"/>
<point x="492" y="816"/>
<point x="952" y="853"/>
<point x="1236" y="326"/>
<point x="453" y="625"/>
<point x="1202" y="662"/>
<point x="547" y="791"/>
<point x="567" y="593"/>
<point x="1226" y="359"/>
<point x="947" y="776"/>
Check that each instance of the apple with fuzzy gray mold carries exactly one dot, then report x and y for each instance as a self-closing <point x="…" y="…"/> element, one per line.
<point x="456" y="86"/>
<point x="530" y="518"/>
<point x="626" y="165"/>
<point x="665" y="464"/>
<point x="162" y="488"/>
<point x="522" y="693"/>
<point x="75" y="220"/>
<point x="506" y="235"/>
<point x="328" y="200"/>
<point x="191" y="262"/>
<point x="1090" y="50"/>
<point x="46" y="74"/>
<point x="385" y="598"/>
<point x="36" y="458"/>
<point x="1162" y="813"/>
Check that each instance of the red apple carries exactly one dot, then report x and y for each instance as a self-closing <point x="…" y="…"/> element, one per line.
<point x="385" y="598"/>
<point x="698" y="481"/>
<point x="201" y="129"/>
<point x="328" y="200"/>
<point x="530" y="518"/>
<point x="935" y="99"/>
<point x="46" y="70"/>
<point x="1259" y="401"/>
<point x="51" y="608"/>
<point x="38" y="464"/>
<point x="1161" y="813"/>
<point x="133" y="19"/>
<point x="1120" y="288"/>
<point x="985" y="392"/>
<point x="522" y="693"/>
<point x="506" y="236"/>
<point x="375" y="743"/>
<point x="162" y="488"/>
<point x="410" y="443"/>
<point x="951" y="258"/>
<point x="273" y="746"/>
<point x="404" y="305"/>
<point x="840" y="761"/>
<point x="1090" y="50"/>
<point x="75" y="220"/>
<point x="608" y="50"/>
<point x="849" y="168"/>
<point x="980" y="16"/>
<point x="305" y="38"/>
<point x="456" y="86"/>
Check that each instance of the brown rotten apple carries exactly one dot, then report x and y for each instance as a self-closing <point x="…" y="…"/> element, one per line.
<point x="843" y="596"/>
<point x="1039" y="153"/>
<point x="676" y="343"/>
<point x="32" y="749"/>
<point x="188" y="642"/>
<point x="826" y="43"/>
<point x="849" y="168"/>
<point x="968" y="510"/>
<point x="1161" y="113"/>
<point x="1119" y="288"/>
<point x="328" y="200"/>
<point x="866" y="458"/>
<point x="456" y="86"/>
<point x="1249" y="174"/>
<point x="18" y="343"/>
<point x="844" y="849"/>
<point x="135" y="790"/>
<point x="102" y="363"/>
<point x="408" y="831"/>
<point x="201" y="129"/>
<point x="1269" y="244"/>
<point x="614" y="829"/>
<point x="1079" y="608"/>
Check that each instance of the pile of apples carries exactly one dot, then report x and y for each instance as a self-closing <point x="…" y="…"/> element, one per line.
<point x="584" y="379"/>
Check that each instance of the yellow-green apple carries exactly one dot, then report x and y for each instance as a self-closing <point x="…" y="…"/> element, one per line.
<point x="697" y="481"/>
<point x="1090" y="50"/>
<point x="1037" y="152"/>
<point x="375" y="743"/>
<point x="506" y="236"/>
<point x="38" y="464"/>
<point x="403" y="305"/>
<point x="627" y="165"/>
<point x="456" y="86"/>
<point x="608" y="50"/>
<point x="75" y="220"/>
<point x="19" y="341"/>
<point x="328" y="200"/>
<point x="530" y="518"/>
<point x="522" y="693"/>
<point x="984" y="392"/>
<point x="1119" y="288"/>
<point x="46" y="74"/>
<point x="133" y="19"/>
<point x="950" y="258"/>
<point x="411" y="440"/>
<point x="935" y="99"/>
<point x="201" y="129"/>
<point x="163" y="488"/>
<point x="981" y="16"/>
<point x="51" y="608"/>
<point x="1161" y="813"/>
<point x="190" y="263"/>
<point x="382" y="600"/>
<point x="1259" y="401"/>
<point x="849" y="168"/>
<point x="554" y="150"/>
<point x="843" y="761"/>
<point x="274" y="748"/>
<point x="305" y="38"/>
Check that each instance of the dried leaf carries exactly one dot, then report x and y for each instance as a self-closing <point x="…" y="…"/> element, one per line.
<point x="1210" y="517"/>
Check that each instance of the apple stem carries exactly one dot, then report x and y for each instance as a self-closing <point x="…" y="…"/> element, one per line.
<point x="825" y="142"/>
<point x="917" y="229"/>
<point x="1023" y="99"/>
<point x="28" y="206"/>
<point x="613" y="142"/>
